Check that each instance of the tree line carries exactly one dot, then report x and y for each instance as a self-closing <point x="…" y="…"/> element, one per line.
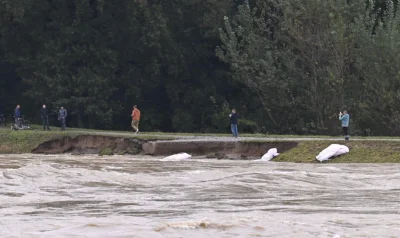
<point x="288" y="67"/>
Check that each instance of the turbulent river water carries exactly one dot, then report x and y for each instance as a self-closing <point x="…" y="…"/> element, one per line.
<point x="125" y="196"/>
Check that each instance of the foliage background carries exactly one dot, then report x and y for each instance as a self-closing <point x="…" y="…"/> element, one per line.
<point x="288" y="67"/>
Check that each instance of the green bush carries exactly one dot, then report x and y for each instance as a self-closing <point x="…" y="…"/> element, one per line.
<point x="248" y="126"/>
<point x="106" y="152"/>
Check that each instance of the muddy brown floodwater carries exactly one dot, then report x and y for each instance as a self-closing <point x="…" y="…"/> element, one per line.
<point x="125" y="196"/>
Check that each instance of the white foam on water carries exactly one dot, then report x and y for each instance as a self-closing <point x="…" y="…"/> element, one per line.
<point x="128" y="196"/>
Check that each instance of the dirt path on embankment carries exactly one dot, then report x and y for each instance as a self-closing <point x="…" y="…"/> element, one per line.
<point x="204" y="137"/>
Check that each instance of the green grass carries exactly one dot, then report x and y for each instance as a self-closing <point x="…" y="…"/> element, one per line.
<point x="157" y="135"/>
<point x="24" y="141"/>
<point x="182" y="134"/>
<point x="360" y="152"/>
<point x="375" y="150"/>
<point x="15" y="142"/>
<point x="241" y="135"/>
<point x="106" y="152"/>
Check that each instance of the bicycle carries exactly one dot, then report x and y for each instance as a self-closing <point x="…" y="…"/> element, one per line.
<point x="20" y="124"/>
<point x="2" y="120"/>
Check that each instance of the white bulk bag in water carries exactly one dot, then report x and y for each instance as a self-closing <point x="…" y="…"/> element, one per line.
<point x="332" y="151"/>
<point x="177" y="157"/>
<point x="269" y="155"/>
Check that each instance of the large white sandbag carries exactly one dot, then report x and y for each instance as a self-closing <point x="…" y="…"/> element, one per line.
<point x="269" y="155"/>
<point x="177" y="157"/>
<point x="332" y="151"/>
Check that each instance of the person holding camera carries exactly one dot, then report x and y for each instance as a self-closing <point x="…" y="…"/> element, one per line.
<point x="345" y="118"/>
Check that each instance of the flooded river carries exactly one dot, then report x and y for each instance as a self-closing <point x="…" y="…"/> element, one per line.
<point x="124" y="196"/>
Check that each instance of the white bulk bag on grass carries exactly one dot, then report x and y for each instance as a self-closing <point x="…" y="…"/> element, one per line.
<point x="269" y="155"/>
<point x="332" y="151"/>
<point x="177" y="157"/>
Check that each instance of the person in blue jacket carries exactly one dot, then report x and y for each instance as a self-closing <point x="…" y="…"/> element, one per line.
<point x="345" y="118"/>
<point x="17" y="116"/>
<point x="62" y="115"/>
<point x="234" y="123"/>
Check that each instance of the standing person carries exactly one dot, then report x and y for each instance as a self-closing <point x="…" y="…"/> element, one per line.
<point x="234" y="123"/>
<point x="17" y="116"/>
<point x="135" y="119"/>
<point x="345" y="118"/>
<point x="2" y="117"/>
<point x="45" y="117"/>
<point x="62" y="114"/>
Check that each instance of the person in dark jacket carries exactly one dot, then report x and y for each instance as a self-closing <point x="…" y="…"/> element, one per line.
<point x="62" y="115"/>
<point x="17" y="116"/>
<point x="234" y="123"/>
<point x="45" y="117"/>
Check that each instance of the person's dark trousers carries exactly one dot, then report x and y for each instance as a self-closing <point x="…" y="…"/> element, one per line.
<point x="234" y="129"/>
<point x="18" y="122"/>
<point x="62" y="120"/>
<point x="45" y="121"/>
<point x="346" y="133"/>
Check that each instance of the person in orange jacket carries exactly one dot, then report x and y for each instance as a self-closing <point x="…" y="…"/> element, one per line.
<point x="135" y="119"/>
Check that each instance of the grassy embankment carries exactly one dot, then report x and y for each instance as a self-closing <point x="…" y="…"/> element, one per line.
<point x="373" y="150"/>
<point x="24" y="141"/>
<point x="361" y="151"/>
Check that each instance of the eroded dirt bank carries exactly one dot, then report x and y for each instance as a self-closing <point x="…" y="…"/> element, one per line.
<point x="93" y="144"/>
<point x="90" y="144"/>
<point x="217" y="149"/>
<point x="298" y="150"/>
